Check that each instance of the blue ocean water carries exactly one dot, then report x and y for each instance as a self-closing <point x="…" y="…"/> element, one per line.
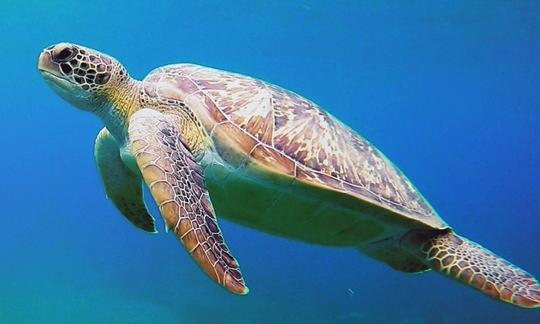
<point x="447" y="90"/>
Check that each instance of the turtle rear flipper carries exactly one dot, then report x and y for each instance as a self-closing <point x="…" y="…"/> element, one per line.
<point x="471" y="264"/>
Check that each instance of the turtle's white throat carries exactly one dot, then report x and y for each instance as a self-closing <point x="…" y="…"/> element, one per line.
<point x="72" y="93"/>
<point x="55" y="81"/>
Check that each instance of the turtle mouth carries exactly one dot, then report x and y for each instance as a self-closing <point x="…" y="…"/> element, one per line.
<point x="51" y="76"/>
<point x="50" y="70"/>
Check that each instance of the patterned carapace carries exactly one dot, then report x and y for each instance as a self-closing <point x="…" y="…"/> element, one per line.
<point x="291" y="134"/>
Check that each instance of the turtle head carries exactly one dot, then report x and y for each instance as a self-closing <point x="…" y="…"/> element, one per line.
<point x="84" y="77"/>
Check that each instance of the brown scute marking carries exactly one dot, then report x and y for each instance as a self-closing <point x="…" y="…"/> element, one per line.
<point x="478" y="281"/>
<point x="211" y="84"/>
<point x="235" y="145"/>
<point x="441" y="254"/>
<point x="174" y="87"/>
<point x="185" y="85"/>
<point x="448" y="260"/>
<point x="491" y="290"/>
<point x="535" y="294"/>
<point x="190" y="239"/>
<point x="171" y="92"/>
<point x="163" y="166"/>
<point x="200" y="236"/>
<point x="184" y="225"/>
<point x="466" y="275"/>
<point x="305" y="174"/>
<point x="138" y="145"/>
<point x="436" y="264"/>
<point x="302" y="131"/>
<point x="524" y="301"/>
<point x="146" y="157"/>
<point x="207" y="206"/>
<point x="229" y="260"/>
<point x="176" y="183"/>
<point x="235" y="273"/>
<point x="273" y="159"/>
<point x="360" y="191"/>
<point x="456" y="240"/>
<point x="471" y="264"/>
<point x="233" y="284"/>
<point x="330" y="181"/>
<point x="506" y="294"/>
<point x="149" y="85"/>
<point x="260" y="127"/>
<point x="170" y="208"/>
<point x="214" y="111"/>
<point x="211" y="256"/>
<point x="161" y="191"/>
<point x="211" y="226"/>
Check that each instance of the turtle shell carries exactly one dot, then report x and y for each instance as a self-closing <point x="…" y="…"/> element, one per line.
<point x="289" y="134"/>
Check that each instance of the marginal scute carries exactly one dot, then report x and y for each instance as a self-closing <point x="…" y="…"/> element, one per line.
<point x="360" y="191"/>
<point x="273" y="159"/>
<point x="233" y="144"/>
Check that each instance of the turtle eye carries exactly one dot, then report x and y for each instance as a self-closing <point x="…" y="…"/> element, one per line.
<point x="65" y="55"/>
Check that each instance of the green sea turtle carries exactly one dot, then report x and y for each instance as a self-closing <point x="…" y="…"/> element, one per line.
<point x="210" y="142"/>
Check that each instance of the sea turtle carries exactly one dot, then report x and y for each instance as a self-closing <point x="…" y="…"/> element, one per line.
<point x="210" y="142"/>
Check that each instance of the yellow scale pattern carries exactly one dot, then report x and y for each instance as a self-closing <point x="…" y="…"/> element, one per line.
<point x="476" y="266"/>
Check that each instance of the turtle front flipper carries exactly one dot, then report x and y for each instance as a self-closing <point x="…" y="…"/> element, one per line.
<point x="177" y="184"/>
<point x="121" y="185"/>
<point x="471" y="264"/>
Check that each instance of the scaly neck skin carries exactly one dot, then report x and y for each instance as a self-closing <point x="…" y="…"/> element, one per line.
<point x="124" y="99"/>
<point x="120" y="104"/>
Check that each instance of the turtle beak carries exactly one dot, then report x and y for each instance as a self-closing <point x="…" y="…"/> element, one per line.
<point x="46" y="65"/>
<point x="50" y="71"/>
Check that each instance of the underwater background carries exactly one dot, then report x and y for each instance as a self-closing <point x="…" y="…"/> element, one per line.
<point x="448" y="90"/>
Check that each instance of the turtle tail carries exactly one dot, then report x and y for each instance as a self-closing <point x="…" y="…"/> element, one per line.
<point x="473" y="265"/>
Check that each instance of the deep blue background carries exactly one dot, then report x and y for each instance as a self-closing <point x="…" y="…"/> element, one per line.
<point x="449" y="91"/>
